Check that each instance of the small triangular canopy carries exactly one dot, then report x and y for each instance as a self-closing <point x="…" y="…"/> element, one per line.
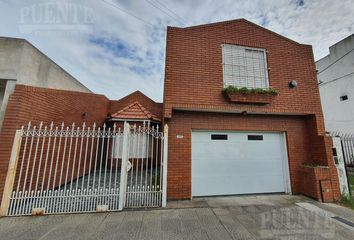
<point x="134" y="111"/>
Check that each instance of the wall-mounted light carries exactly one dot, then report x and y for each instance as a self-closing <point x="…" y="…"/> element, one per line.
<point x="293" y="84"/>
<point x="84" y="115"/>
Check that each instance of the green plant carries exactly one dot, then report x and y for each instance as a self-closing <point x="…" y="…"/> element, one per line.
<point x="351" y="178"/>
<point x="232" y="89"/>
<point x="347" y="201"/>
<point x="243" y="90"/>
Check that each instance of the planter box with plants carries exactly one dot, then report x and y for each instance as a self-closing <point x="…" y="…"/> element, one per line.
<point x="249" y="95"/>
<point x="313" y="178"/>
<point x="319" y="171"/>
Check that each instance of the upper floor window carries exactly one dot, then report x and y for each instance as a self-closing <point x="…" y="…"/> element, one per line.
<point x="244" y="66"/>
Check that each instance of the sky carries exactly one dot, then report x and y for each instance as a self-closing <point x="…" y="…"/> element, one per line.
<point x="115" y="47"/>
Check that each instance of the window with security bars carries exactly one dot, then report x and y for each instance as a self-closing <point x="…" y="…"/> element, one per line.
<point x="244" y="67"/>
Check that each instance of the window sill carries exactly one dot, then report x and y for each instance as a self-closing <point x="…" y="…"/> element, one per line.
<point x="251" y="98"/>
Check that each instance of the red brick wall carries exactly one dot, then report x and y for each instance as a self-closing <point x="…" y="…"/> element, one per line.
<point x="179" y="158"/>
<point x="47" y="105"/>
<point x="194" y="75"/>
<point x="194" y="81"/>
<point x="312" y="179"/>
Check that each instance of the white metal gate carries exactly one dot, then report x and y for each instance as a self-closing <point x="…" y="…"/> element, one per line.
<point x="344" y="160"/>
<point x="81" y="169"/>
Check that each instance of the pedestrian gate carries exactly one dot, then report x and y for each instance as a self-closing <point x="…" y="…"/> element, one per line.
<point x="81" y="169"/>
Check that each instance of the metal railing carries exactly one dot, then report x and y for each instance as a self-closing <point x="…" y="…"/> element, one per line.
<point x="347" y="141"/>
<point x="82" y="169"/>
<point x="344" y="161"/>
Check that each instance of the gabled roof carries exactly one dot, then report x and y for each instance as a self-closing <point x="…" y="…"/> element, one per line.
<point x="134" y="94"/>
<point x="153" y="107"/>
<point x="238" y="21"/>
<point x="134" y="111"/>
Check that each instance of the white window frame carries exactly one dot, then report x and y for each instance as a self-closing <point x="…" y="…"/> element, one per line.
<point x="141" y="148"/>
<point x="250" y="48"/>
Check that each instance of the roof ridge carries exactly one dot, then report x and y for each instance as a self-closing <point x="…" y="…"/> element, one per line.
<point x="147" y="113"/>
<point x="123" y="109"/>
<point x="209" y="24"/>
<point x="238" y="20"/>
<point x="136" y="92"/>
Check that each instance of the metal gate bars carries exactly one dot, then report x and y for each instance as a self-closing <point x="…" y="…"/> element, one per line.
<point x="71" y="169"/>
<point x="344" y="160"/>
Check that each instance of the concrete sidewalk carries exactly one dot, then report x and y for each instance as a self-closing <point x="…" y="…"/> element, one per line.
<point x="240" y="217"/>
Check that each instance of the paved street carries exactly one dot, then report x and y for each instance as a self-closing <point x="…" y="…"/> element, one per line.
<point x="239" y="217"/>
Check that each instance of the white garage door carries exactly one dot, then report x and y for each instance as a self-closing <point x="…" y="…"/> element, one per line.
<point x="238" y="163"/>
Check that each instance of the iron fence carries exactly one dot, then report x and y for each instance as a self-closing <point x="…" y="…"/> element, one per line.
<point x="70" y="169"/>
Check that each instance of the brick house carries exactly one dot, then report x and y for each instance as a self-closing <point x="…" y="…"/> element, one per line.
<point x="265" y="134"/>
<point x="247" y="142"/>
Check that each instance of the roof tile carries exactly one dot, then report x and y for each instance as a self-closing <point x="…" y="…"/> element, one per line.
<point x="135" y="111"/>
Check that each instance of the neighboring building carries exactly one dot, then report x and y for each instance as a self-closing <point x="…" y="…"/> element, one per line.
<point x="241" y="144"/>
<point x="335" y="74"/>
<point x="22" y="63"/>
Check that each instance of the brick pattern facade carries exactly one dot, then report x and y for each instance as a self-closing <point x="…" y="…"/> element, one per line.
<point x="317" y="183"/>
<point x="193" y="91"/>
<point x="49" y="105"/>
<point x="258" y="99"/>
<point x="146" y="102"/>
<point x="194" y="75"/>
<point x="298" y="146"/>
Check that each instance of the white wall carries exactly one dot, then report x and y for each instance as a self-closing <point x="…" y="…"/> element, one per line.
<point x="9" y="89"/>
<point x="339" y="115"/>
<point x="2" y="90"/>
<point x="36" y="69"/>
<point x="22" y="63"/>
<point x="336" y="77"/>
